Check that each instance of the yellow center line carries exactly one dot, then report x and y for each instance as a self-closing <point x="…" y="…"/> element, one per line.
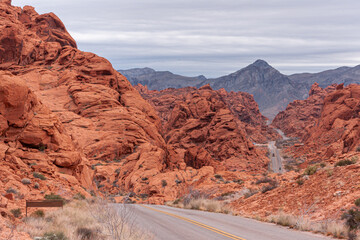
<point x="198" y="224"/>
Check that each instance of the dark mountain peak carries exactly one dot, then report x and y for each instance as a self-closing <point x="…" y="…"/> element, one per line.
<point x="261" y="64"/>
<point x="201" y="77"/>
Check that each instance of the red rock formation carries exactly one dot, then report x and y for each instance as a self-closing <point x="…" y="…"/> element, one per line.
<point x="331" y="132"/>
<point x="302" y="114"/>
<point x="206" y="126"/>
<point x="247" y="111"/>
<point x="242" y="106"/>
<point x="34" y="141"/>
<point x="338" y="129"/>
<point x="321" y="196"/>
<point x="94" y="126"/>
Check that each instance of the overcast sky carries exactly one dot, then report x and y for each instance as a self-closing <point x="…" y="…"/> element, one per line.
<point x="213" y="37"/>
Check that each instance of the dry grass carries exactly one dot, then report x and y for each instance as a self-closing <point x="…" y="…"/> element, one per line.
<point x="87" y="220"/>
<point x="209" y="205"/>
<point x="333" y="228"/>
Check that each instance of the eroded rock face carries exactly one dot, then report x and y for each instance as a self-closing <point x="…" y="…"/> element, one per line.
<point x="209" y="127"/>
<point x="338" y="129"/>
<point x="35" y="150"/>
<point x="300" y="115"/>
<point x="327" y="122"/>
<point x="82" y="121"/>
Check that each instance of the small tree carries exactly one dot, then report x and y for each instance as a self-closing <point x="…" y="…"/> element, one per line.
<point x="352" y="220"/>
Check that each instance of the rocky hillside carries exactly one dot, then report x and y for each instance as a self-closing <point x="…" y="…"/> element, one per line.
<point x="331" y="151"/>
<point x="300" y="115"/>
<point x="327" y="122"/>
<point x="242" y="107"/>
<point x="199" y="124"/>
<point x="38" y="156"/>
<point x="68" y="117"/>
<point x="159" y="80"/>
<point x="338" y="129"/>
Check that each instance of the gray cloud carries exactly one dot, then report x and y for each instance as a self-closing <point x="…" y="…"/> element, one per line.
<point x="213" y="37"/>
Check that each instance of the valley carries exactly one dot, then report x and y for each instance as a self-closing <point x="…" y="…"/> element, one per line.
<point x="255" y="143"/>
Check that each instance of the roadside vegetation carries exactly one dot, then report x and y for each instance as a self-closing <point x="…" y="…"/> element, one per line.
<point x="348" y="228"/>
<point x="85" y="220"/>
<point x="200" y="201"/>
<point x="334" y="228"/>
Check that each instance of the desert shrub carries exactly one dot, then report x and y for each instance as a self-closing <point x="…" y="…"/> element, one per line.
<point x="249" y="192"/>
<point x="358" y="148"/>
<point x="163" y="183"/>
<point x="344" y="162"/>
<point x="352" y="218"/>
<point x="194" y="194"/>
<point x="85" y="220"/>
<point x="16" y="212"/>
<point x="218" y="176"/>
<point x="209" y="205"/>
<point x="86" y="233"/>
<point x="226" y="194"/>
<point x="322" y="165"/>
<point x="310" y="170"/>
<point x="269" y="187"/>
<point x="284" y="219"/>
<point x="264" y="180"/>
<point x="334" y="228"/>
<point x="238" y="181"/>
<point x="300" y="182"/>
<point x="144" y="195"/>
<point x="38" y="214"/>
<point x="357" y="202"/>
<point x="329" y="172"/>
<point x="42" y="148"/>
<point x="11" y="190"/>
<point x="39" y="176"/>
<point x="25" y="181"/>
<point x="79" y="196"/>
<point x="55" y="236"/>
<point x="53" y="196"/>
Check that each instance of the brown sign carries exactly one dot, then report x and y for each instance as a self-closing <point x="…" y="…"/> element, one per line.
<point x="45" y="203"/>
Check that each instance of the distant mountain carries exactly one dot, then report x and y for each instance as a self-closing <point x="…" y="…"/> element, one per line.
<point x="271" y="89"/>
<point x="344" y="75"/>
<point x="159" y="80"/>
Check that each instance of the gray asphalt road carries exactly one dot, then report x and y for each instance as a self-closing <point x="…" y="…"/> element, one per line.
<point x="168" y="223"/>
<point x="276" y="159"/>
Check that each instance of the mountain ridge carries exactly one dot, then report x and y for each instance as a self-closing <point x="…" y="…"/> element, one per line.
<point x="274" y="91"/>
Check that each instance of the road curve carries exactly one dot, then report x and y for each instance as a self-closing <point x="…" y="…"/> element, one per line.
<point x="168" y="223"/>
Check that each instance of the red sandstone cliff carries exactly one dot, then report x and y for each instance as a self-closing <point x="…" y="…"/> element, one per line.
<point x="338" y="129"/>
<point x="87" y="125"/>
<point x="302" y="114"/>
<point x="241" y="105"/>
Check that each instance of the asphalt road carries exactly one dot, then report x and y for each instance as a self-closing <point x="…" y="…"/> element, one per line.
<point x="167" y="223"/>
<point x="275" y="157"/>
